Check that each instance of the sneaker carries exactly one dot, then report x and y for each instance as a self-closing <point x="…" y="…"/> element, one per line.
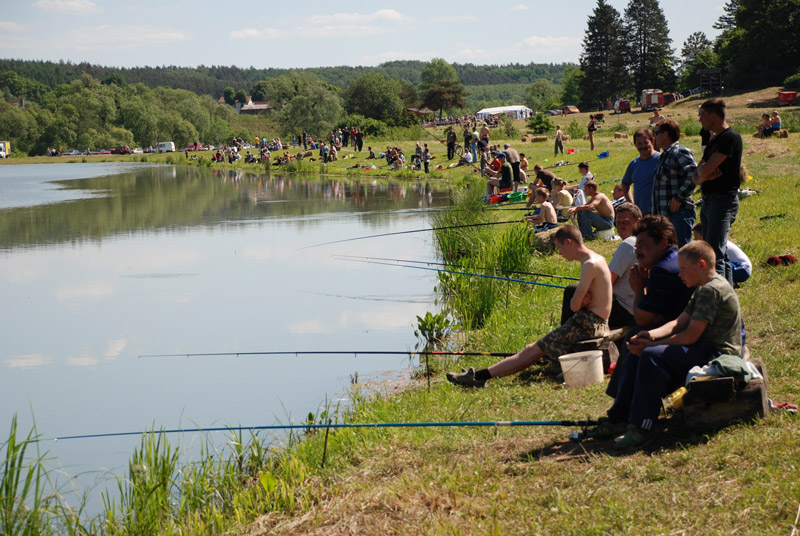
<point x="607" y="429"/>
<point x="466" y="378"/>
<point x="635" y="437"/>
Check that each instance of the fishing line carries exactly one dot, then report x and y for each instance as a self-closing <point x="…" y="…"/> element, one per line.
<point x="332" y="425"/>
<point x="453" y="264"/>
<point x="468" y="273"/>
<point x="411" y="231"/>
<point x="354" y="353"/>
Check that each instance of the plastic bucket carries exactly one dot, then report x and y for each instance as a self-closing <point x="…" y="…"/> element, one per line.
<point x="582" y="368"/>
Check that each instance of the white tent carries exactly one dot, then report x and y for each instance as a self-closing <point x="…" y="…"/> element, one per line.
<point x="518" y="112"/>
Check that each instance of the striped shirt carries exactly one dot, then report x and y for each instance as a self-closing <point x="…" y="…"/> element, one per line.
<point x="673" y="178"/>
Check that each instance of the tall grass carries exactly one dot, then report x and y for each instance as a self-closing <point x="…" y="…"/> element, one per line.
<point x="22" y="504"/>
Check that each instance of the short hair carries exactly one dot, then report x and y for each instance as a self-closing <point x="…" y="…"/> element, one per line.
<point x="698" y="228"/>
<point x="542" y="192"/>
<point x="671" y="127"/>
<point x="590" y="184"/>
<point x="635" y="211"/>
<point x="538" y="167"/>
<point x="658" y="228"/>
<point x="697" y="251"/>
<point x="714" y="106"/>
<point x="584" y="165"/>
<point x="765" y="115"/>
<point x="568" y="232"/>
<point x="644" y="132"/>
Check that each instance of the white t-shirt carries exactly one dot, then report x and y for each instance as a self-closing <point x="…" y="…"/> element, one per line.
<point x="735" y="254"/>
<point x="621" y="263"/>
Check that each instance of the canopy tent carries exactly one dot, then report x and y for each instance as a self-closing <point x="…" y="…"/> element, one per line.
<point x="517" y="112"/>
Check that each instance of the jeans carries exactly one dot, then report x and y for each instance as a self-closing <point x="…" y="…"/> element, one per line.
<point x="717" y="216"/>
<point x="559" y="145"/>
<point x="683" y="221"/>
<point x="588" y="221"/>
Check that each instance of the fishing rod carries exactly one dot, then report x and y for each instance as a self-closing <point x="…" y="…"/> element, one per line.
<point x="453" y="264"/>
<point x="411" y="231"/>
<point x="468" y="273"/>
<point x="354" y="353"/>
<point x="439" y="424"/>
<point x="473" y="164"/>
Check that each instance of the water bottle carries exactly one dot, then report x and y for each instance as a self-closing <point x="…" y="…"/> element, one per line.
<point x="674" y="400"/>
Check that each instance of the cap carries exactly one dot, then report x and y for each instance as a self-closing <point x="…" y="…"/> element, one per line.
<point x="501" y="155"/>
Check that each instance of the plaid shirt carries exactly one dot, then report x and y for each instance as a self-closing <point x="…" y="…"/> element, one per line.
<point x="673" y="178"/>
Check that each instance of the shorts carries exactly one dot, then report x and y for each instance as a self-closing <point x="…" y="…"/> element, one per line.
<point x="581" y="326"/>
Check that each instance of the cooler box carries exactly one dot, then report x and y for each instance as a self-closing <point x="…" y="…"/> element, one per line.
<point x="787" y="97"/>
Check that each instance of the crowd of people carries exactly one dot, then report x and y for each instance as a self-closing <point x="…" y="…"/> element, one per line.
<point x="674" y="295"/>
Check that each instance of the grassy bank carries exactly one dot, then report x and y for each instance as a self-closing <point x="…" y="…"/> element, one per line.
<point x="744" y="479"/>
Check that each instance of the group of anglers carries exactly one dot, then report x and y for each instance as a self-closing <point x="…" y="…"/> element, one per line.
<point x="676" y="295"/>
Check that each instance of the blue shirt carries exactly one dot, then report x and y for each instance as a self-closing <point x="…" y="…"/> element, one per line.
<point x="666" y="294"/>
<point x="640" y="175"/>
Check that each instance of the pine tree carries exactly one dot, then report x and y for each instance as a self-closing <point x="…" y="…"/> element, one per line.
<point x="650" y="54"/>
<point x="728" y="20"/>
<point x="603" y="57"/>
<point x="695" y="44"/>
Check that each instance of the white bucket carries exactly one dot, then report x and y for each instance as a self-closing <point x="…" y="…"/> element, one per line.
<point x="582" y="368"/>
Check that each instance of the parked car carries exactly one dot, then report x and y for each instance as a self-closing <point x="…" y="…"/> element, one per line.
<point x="121" y="150"/>
<point x="670" y="97"/>
<point x="553" y="112"/>
<point x="100" y="151"/>
<point x="138" y="150"/>
<point x="72" y="152"/>
<point x="570" y="110"/>
<point x="191" y="147"/>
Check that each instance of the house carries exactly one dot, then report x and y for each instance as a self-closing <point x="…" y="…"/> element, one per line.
<point x="256" y="107"/>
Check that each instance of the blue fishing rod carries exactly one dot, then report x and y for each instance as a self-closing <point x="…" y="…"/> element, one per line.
<point x="362" y="258"/>
<point x="486" y="276"/>
<point x="374" y="425"/>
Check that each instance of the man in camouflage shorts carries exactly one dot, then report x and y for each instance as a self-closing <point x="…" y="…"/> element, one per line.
<point x="591" y="303"/>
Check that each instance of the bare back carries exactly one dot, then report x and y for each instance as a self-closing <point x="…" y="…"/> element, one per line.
<point x="548" y="213"/>
<point x="595" y="282"/>
<point x="604" y="207"/>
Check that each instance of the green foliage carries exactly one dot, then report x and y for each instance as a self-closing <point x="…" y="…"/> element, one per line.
<point x="508" y="127"/>
<point x="791" y="121"/>
<point x="436" y="71"/>
<point x="445" y="95"/>
<point x="541" y="124"/>
<point x="22" y="507"/>
<point x="315" y="109"/>
<point x="691" y="127"/>
<point x="376" y="97"/>
<point x="542" y="95"/>
<point x="649" y="59"/>
<point x="229" y="95"/>
<point x="793" y="81"/>
<point x="604" y="56"/>
<point x="433" y="329"/>
<point x="575" y="130"/>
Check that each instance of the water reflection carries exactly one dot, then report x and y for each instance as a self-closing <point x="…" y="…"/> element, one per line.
<point x="157" y="259"/>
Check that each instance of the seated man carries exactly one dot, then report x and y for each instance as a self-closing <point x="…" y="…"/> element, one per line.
<point x="659" y="359"/>
<point x="596" y="215"/>
<point x="465" y="160"/>
<point x="775" y="123"/>
<point x="591" y="304"/>
<point x="506" y="174"/>
<point x="627" y="217"/>
<point x="544" y="218"/>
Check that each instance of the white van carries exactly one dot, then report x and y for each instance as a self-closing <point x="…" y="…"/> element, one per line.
<point x="166" y="147"/>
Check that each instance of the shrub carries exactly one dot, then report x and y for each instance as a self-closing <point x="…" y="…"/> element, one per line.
<point x="541" y="124"/>
<point x="792" y="82"/>
<point x="575" y="130"/>
<point x="690" y="127"/>
<point x="509" y="128"/>
<point x="791" y="121"/>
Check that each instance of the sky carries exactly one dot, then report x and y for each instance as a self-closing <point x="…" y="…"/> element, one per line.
<point x="313" y="33"/>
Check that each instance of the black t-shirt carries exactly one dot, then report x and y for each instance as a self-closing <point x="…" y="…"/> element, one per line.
<point x="729" y="143"/>
<point x="547" y="178"/>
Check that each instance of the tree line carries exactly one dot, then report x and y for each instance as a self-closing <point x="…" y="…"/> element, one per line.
<point x="625" y="53"/>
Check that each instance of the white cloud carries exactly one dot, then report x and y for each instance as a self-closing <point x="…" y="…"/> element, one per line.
<point x="85" y="361"/>
<point x="88" y="291"/>
<point x="122" y="37"/>
<point x="29" y="360"/>
<point x="10" y="27"/>
<point x="520" y="7"/>
<point x="309" y="327"/>
<point x="115" y="347"/>
<point x="380" y="22"/>
<point x="70" y="7"/>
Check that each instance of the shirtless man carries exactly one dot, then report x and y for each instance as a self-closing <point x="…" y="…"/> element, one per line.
<point x="485" y="134"/>
<point x="545" y="219"/>
<point x="596" y="215"/>
<point x="559" y="140"/>
<point x="591" y="303"/>
<point x="657" y="117"/>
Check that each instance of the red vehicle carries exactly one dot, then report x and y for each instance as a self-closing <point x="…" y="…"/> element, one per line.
<point x="652" y="98"/>
<point x="622" y="105"/>
<point x="787" y="97"/>
<point x="566" y="110"/>
<point x="121" y="150"/>
<point x="191" y="147"/>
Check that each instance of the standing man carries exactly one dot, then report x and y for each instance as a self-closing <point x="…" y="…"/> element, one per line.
<point x="640" y="171"/>
<point x="485" y="134"/>
<point x="719" y="177"/>
<point x="597" y="214"/>
<point x="467" y="135"/>
<point x="559" y="141"/>
<point x="305" y="140"/>
<point x="512" y="157"/>
<point x="673" y="186"/>
<point x="451" y="143"/>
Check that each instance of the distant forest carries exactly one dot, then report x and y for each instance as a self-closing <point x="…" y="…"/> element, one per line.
<point x="213" y="80"/>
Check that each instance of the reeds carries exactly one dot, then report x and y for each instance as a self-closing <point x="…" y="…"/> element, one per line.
<point x="22" y="504"/>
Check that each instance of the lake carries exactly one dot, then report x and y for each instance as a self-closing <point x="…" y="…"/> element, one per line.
<point x="103" y="263"/>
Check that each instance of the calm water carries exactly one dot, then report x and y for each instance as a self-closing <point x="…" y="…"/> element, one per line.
<point x="102" y="263"/>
